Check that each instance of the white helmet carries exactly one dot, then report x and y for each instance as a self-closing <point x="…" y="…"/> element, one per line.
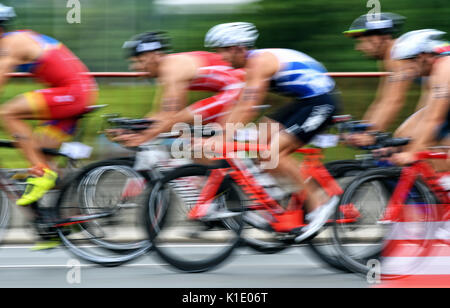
<point x="413" y="43"/>
<point x="231" y="34"/>
<point x="6" y="13"/>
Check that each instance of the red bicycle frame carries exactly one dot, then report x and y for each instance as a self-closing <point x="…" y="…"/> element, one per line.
<point x="280" y="219"/>
<point x="408" y="176"/>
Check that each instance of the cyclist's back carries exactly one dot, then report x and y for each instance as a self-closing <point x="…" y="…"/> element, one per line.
<point x="214" y="75"/>
<point x="299" y="75"/>
<point x="56" y="66"/>
<point x="70" y="90"/>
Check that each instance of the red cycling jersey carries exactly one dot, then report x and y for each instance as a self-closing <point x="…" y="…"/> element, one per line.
<point x="216" y="75"/>
<point x="71" y="89"/>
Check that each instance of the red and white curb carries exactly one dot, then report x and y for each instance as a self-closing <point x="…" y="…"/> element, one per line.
<point x="417" y="254"/>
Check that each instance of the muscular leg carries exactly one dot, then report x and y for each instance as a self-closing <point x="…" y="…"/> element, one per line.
<point x="48" y="141"/>
<point x="290" y="166"/>
<point x="13" y="113"/>
<point x="408" y="127"/>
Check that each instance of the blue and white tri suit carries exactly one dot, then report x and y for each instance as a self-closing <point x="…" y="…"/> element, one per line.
<point x="305" y="79"/>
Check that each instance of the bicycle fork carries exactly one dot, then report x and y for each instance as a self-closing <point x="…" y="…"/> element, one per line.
<point x="207" y="194"/>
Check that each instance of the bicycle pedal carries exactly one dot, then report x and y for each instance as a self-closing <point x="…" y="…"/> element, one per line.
<point x="220" y="215"/>
<point x="20" y="176"/>
<point x="257" y="221"/>
<point x="296" y="231"/>
<point x="385" y="222"/>
<point x="45" y="232"/>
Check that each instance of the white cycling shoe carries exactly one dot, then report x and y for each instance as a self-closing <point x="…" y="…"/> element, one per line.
<point x="317" y="219"/>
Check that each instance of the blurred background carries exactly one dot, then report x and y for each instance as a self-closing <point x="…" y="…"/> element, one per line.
<point x="311" y="26"/>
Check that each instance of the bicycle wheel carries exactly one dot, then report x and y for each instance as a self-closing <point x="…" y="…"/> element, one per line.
<point x="258" y="233"/>
<point x="113" y="188"/>
<point x="193" y="245"/>
<point x="364" y="240"/>
<point x="5" y="213"/>
<point x="322" y="245"/>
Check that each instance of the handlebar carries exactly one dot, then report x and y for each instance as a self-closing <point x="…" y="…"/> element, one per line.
<point x="136" y="125"/>
<point x="130" y="124"/>
<point x="382" y="139"/>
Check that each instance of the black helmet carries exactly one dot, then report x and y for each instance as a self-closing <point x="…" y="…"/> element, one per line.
<point x="376" y="24"/>
<point x="147" y="42"/>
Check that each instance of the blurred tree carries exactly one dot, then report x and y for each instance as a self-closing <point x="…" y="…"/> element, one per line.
<point x="313" y="26"/>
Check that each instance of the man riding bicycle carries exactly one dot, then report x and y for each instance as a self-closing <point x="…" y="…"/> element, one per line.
<point x="70" y="90"/>
<point x="290" y="73"/>
<point x="177" y="74"/>
<point x="375" y="36"/>
<point x="429" y="55"/>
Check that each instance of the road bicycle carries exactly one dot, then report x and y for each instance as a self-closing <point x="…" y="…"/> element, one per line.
<point x="70" y="211"/>
<point x="13" y="180"/>
<point x="113" y="190"/>
<point x="388" y="198"/>
<point x="234" y="194"/>
<point x="270" y="220"/>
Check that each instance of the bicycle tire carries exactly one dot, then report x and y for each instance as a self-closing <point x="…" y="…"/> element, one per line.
<point x="322" y="250"/>
<point x="103" y="252"/>
<point x="161" y="202"/>
<point x="5" y="214"/>
<point x="358" y="264"/>
<point x="322" y="247"/>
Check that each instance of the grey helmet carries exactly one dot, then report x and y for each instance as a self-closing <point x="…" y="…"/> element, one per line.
<point x="413" y="43"/>
<point x="7" y="14"/>
<point x="232" y="34"/>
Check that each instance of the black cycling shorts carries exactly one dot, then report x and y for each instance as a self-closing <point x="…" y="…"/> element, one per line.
<point x="307" y="117"/>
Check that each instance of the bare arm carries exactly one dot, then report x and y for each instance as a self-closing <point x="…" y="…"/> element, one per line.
<point x="393" y="94"/>
<point x="174" y="77"/>
<point x="9" y="58"/>
<point x="437" y="108"/>
<point x="425" y="90"/>
<point x="259" y="69"/>
<point x="374" y="105"/>
<point x="175" y="74"/>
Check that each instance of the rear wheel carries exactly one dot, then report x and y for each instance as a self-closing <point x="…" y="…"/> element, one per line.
<point x="322" y="245"/>
<point x="109" y="187"/>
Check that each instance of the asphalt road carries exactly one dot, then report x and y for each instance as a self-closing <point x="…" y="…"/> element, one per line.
<point x="293" y="268"/>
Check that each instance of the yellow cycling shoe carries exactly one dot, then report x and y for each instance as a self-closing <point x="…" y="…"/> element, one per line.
<point x="46" y="245"/>
<point x="37" y="187"/>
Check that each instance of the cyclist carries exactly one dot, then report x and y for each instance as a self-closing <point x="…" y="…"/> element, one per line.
<point x="178" y="73"/>
<point x="70" y="92"/>
<point x="375" y="35"/>
<point x="291" y="73"/>
<point x="424" y="50"/>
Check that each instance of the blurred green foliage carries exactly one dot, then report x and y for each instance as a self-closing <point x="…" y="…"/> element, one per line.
<point x="135" y="98"/>
<point x="314" y="27"/>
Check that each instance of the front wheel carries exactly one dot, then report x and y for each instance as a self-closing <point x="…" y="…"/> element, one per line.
<point x="193" y="245"/>
<point x="365" y="240"/>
